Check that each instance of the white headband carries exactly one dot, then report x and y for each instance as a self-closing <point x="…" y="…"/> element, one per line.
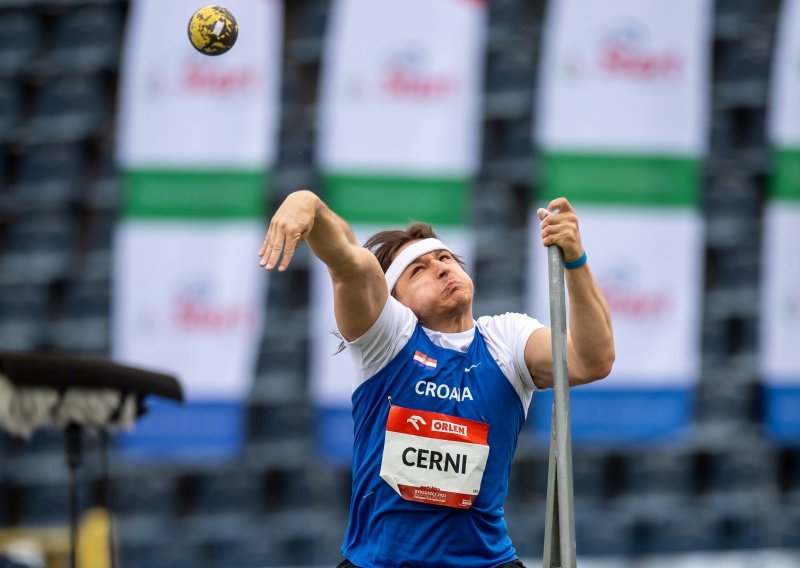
<point x="409" y="255"/>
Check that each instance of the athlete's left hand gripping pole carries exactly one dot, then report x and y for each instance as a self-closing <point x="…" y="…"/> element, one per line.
<point x="559" y="531"/>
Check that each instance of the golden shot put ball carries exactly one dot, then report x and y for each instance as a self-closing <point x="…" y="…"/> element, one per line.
<point x="213" y="30"/>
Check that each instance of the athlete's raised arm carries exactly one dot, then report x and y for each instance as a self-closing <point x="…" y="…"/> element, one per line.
<point x="359" y="285"/>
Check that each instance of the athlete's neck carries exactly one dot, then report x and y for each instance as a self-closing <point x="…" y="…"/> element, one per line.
<point x="451" y="323"/>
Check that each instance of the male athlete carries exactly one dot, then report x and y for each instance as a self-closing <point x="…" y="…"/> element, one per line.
<point x="439" y="398"/>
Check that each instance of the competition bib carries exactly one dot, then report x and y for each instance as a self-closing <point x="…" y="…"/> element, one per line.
<point x="434" y="458"/>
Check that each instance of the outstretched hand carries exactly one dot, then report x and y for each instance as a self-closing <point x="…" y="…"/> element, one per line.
<point x="291" y="223"/>
<point x="559" y="225"/>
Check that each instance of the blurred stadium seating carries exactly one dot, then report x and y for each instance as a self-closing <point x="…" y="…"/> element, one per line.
<point x="725" y="488"/>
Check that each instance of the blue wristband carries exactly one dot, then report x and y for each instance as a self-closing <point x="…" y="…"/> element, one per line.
<point x="576" y="263"/>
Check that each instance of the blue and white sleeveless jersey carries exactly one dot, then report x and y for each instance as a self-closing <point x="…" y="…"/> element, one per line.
<point x="475" y="376"/>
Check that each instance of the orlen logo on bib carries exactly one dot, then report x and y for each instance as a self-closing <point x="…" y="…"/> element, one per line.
<point x="449" y="427"/>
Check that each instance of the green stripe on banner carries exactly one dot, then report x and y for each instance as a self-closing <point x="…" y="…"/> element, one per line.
<point x="377" y="199"/>
<point x="785" y="181"/>
<point x="194" y="194"/>
<point x="619" y="179"/>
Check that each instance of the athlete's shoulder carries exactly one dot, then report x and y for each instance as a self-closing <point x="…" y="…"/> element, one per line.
<point x="507" y="323"/>
<point x="505" y="316"/>
<point x="506" y="336"/>
<point x="383" y="341"/>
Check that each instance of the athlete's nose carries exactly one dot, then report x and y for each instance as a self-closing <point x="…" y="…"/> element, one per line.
<point x="442" y="268"/>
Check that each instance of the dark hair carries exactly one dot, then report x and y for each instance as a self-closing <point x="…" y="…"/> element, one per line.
<point x="385" y="244"/>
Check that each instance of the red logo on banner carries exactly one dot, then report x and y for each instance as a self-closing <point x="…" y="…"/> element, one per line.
<point x="405" y="75"/>
<point x="196" y="315"/>
<point x="197" y="309"/>
<point x="202" y="78"/>
<point x="625" y="53"/>
<point x="630" y="298"/>
<point x="637" y="304"/>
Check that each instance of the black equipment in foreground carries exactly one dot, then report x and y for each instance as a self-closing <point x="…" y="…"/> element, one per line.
<point x="74" y="393"/>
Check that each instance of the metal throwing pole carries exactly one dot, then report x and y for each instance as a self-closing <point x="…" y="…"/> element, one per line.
<point x="559" y="528"/>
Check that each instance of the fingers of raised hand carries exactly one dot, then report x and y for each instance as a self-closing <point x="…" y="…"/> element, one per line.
<point x="560" y="229"/>
<point x="561" y="204"/>
<point x="552" y="235"/>
<point x="290" y="245"/>
<point x="264" y="245"/>
<point x="279" y="244"/>
<point x="272" y="250"/>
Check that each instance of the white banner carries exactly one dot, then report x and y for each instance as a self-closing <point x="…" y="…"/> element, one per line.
<point x="780" y="295"/>
<point x="780" y="289"/>
<point x="398" y="139"/>
<point x="784" y="118"/>
<point x="625" y="75"/>
<point x="196" y="142"/>
<point x="622" y="128"/>
<point x="183" y="107"/>
<point x="401" y="87"/>
<point x="188" y="300"/>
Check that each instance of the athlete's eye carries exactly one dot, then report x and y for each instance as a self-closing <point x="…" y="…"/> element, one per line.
<point x="445" y="256"/>
<point x="415" y="270"/>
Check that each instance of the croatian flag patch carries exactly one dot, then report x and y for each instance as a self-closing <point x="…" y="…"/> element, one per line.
<point x="423" y="360"/>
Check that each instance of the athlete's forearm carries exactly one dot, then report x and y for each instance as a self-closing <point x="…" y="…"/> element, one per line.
<point x="331" y="238"/>
<point x="589" y="326"/>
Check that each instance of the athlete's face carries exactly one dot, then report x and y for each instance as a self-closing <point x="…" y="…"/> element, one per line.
<point x="436" y="289"/>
